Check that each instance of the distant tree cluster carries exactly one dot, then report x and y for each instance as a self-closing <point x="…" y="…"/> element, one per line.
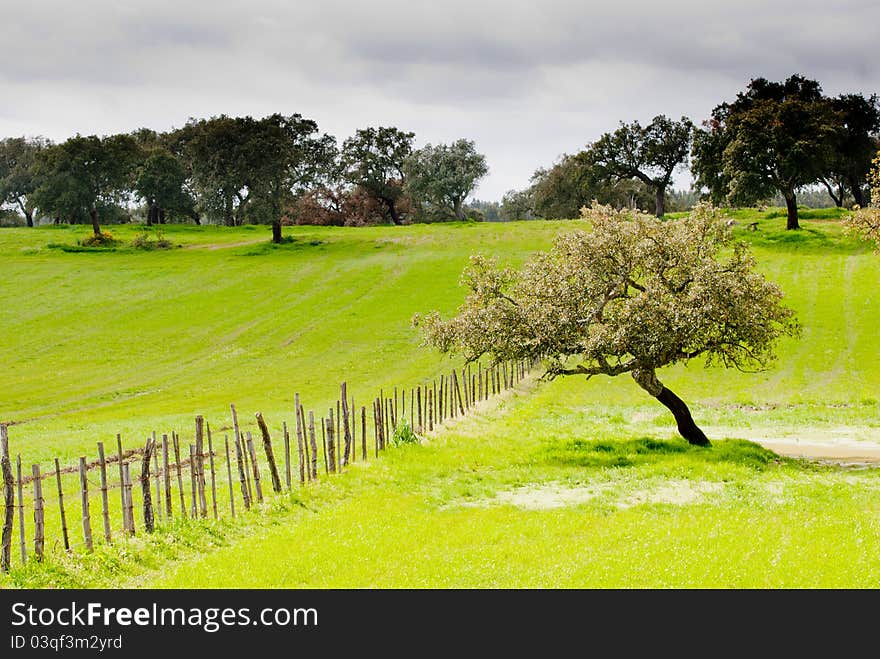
<point x="776" y="140"/>
<point x="239" y="170"/>
<point x="780" y="137"/>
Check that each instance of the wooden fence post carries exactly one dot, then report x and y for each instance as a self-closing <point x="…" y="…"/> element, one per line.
<point x="346" y="426"/>
<point x="213" y="475"/>
<point x="39" y="517"/>
<point x="252" y="452"/>
<point x="149" y="520"/>
<point x="128" y="518"/>
<point x="176" y="442"/>
<point x="193" y="481"/>
<point x="241" y="477"/>
<point x="9" y="500"/>
<point x="121" y="481"/>
<point x="299" y="440"/>
<point x="21" y="539"/>
<point x="61" y="506"/>
<point x="331" y="445"/>
<point x="363" y="432"/>
<point x="198" y="467"/>
<point x="157" y="507"/>
<point x="86" y="516"/>
<point x="229" y="476"/>
<point x="105" y="497"/>
<point x="166" y="473"/>
<point x="286" y="436"/>
<point x="239" y="440"/>
<point x="270" y="454"/>
<point x="313" y="444"/>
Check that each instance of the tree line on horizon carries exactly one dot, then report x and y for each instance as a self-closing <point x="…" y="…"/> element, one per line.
<point x="774" y="140"/>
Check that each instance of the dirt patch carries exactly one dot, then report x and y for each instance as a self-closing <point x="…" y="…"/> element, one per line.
<point x="844" y="453"/>
<point x="547" y="496"/>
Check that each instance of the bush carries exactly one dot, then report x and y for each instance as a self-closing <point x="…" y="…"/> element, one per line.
<point x="145" y="240"/>
<point x="103" y="239"/>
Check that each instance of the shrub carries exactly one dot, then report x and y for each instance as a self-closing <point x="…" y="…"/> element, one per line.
<point x="145" y="240"/>
<point x="103" y="239"/>
<point x="404" y="434"/>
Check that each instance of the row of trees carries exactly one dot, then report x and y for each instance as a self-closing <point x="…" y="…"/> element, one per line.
<point x="237" y="170"/>
<point x="775" y="138"/>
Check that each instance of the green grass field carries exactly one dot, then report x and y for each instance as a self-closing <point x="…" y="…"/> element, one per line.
<point x="572" y="483"/>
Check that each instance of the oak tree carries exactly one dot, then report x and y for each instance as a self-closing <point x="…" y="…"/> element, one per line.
<point x="445" y="174"/>
<point x="628" y="293"/>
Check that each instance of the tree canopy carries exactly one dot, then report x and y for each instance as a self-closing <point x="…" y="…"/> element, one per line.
<point x="18" y="179"/>
<point x="373" y="159"/>
<point x="445" y="174"/>
<point x="775" y="136"/>
<point x="650" y="154"/>
<point x="865" y="222"/>
<point x="630" y="294"/>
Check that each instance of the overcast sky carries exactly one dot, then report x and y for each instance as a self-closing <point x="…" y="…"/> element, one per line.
<point x="526" y="81"/>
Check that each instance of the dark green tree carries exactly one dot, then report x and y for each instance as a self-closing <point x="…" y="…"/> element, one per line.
<point x="373" y="159"/>
<point x="856" y="145"/>
<point x="650" y="154"/>
<point x="444" y="175"/>
<point x="161" y="181"/>
<point x="18" y="180"/>
<point x="775" y="137"/>
<point x="82" y="175"/>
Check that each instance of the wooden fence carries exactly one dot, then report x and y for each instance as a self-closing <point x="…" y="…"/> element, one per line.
<point x="198" y="474"/>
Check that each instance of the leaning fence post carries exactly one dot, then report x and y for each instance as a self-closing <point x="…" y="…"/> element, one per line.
<point x="21" y="539"/>
<point x="299" y="440"/>
<point x="270" y="454"/>
<point x="149" y="521"/>
<point x="253" y="455"/>
<point x="213" y="475"/>
<point x="331" y="445"/>
<point x="313" y="445"/>
<point x="61" y="506"/>
<point x="346" y="427"/>
<point x="176" y="442"/>
<point x="166" y="472"/>
<point x="229" y="476"/>
<point x="86" y="516"/>
<point x="105" y="503"/>
<point x="241" y="477"/>
<point x="286" y="436"/>
<point x="39" y="516"/>
<point x="9" y="500"/>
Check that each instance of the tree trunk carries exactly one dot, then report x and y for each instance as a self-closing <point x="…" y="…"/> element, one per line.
<point x="837" y="199"/>
<point x="276" y="231"/>
<point x="93" y="213"/>
<point x="151" y="213"/>
<point x="648" y="381"/>
<point x="660" y="200"/>
<point x="392" y="210"/>
<point x="791" y="206"/>
<point x="459" y="211"/>
<point x="857" y="193"/>
<point x="29" y="217"/>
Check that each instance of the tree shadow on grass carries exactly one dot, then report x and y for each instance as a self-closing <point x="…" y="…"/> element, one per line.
<point x="647" y="450"/>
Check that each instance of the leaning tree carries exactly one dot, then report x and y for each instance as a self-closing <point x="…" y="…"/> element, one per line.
<point x="629" y="295"/>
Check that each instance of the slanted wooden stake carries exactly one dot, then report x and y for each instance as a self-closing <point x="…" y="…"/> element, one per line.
<point x="346" y="427"/>
<point x="86" y="516"/>
<point x="149" y="520"/>
<point x="213" y="476"/>
<point x="229" y="476"/>
<point x="21" y="539"/>
<point x="61" y="506"/>
<point x="39" y="516"/>
<point x="105" y="497"/>
<point x="8" y="500"/>
<point x="157" y="507"/>
<point x="253" y="455"/>
<point x="270" y="454"/>
<point x="245" y="496"/>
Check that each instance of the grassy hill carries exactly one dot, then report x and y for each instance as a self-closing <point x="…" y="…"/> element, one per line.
<point x="572" y="483"/>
